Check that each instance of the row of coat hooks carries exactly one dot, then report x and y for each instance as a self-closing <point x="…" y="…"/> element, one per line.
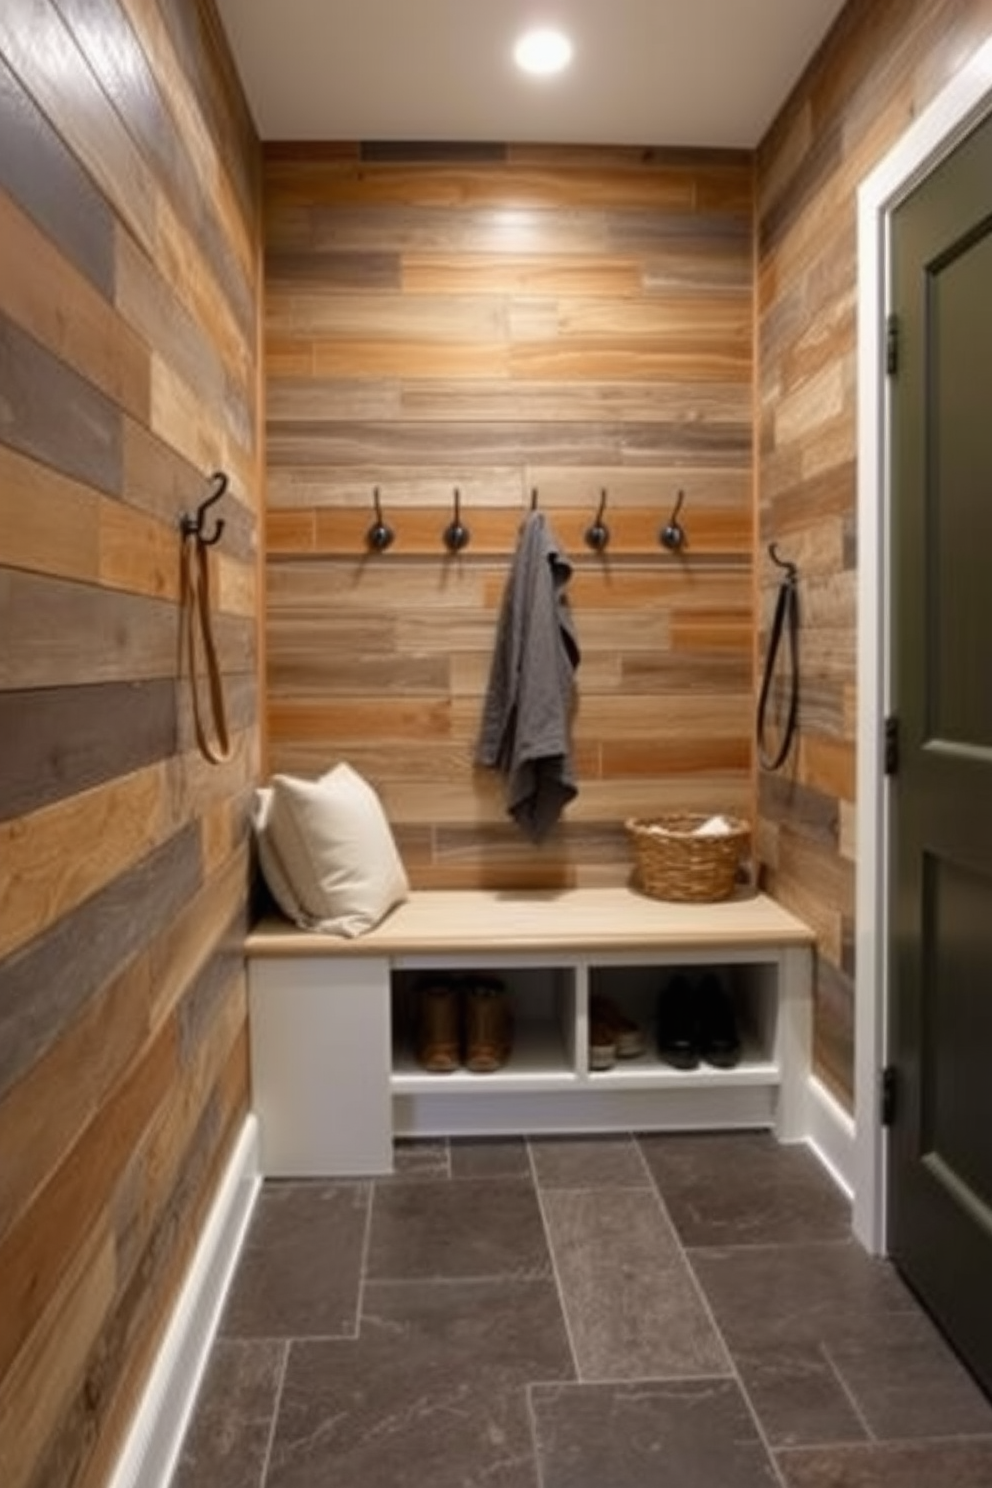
<point x="457" y="536"/>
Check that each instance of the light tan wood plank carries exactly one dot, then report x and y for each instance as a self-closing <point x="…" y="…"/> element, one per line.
<point x="341" y="183"/>
<point x="58" y="306"/>
<point x="180" y="419"/>
<point x="341" y="486"/>
<point x="137" y="553"/>
<point x="495" y="274"/>
<point x="48" y="523"/>
<point x="423" y="319"/>
<point x="611" y="357"/>
<point x="43" y="873"/>
<point x="409" y="359"/>
<point x="38" y="1387"/>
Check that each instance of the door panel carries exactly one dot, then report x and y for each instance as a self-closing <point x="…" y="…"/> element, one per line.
<point x="959" y="515"/>
<point x="940" y="911"/>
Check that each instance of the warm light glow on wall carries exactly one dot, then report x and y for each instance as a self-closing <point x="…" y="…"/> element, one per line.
<point x="543" y="51"/>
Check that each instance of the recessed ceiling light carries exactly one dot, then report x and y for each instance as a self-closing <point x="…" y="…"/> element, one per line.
<point x="543" y="51"/>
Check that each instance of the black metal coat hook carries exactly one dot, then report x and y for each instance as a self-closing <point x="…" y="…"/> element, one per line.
<point x="533" y="499"/>
<point x="791" y="571"/>
<point x="191" y="523"/>
<point x="672" y="535"/>
<point x="456" y="535"/>
<point x="380" y="534"/>
<point x="598" y="535"/>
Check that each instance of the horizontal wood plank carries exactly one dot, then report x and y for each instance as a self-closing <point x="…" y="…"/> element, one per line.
<point x="55" y="742"/>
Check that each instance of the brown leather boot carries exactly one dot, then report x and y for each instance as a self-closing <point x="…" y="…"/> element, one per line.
<point x="488" y="1026"/>
<point x="439" y="1028"/>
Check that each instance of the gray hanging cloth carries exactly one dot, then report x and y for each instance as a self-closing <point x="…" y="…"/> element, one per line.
<point x="526" y="719"/>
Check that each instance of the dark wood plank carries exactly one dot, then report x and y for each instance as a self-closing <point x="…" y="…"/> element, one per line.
<point x="62" y="634"/>
<point x="198" y="37"/>
<point x="43" y="54"/>
<point x="116" y="57"/>
<point x="57" y="741"/>
<point x="203" y="1002"/>
<point x="424" y="151"/>
<point x="46" y="180"/>
<point x="333" y="270"/>
<point x="241" y="702"/>
<point x="56" y="416"/>
<point x="467" y="444"/>
<point x="437" y="229"/>
<point x="656" y="233"/>
<point x="45" y="985"/>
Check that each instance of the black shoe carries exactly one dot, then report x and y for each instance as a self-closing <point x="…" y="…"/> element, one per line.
<point x="720" y="1042"/>
<point x="678" y="1024"/>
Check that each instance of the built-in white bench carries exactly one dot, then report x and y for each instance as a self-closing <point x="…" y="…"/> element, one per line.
<point x="333" y="1071"/>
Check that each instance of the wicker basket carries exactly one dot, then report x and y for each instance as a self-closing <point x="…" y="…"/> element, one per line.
<point x="672" y="862"/>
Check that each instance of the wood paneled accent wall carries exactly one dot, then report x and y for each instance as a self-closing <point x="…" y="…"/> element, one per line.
<point x="883" y="62"/>
<point x="129" y="304"/>
<point x="501" y="320"/>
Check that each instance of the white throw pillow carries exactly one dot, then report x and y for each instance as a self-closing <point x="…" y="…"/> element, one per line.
<point x="333" y="841"/>
<point x="269" y="861"/>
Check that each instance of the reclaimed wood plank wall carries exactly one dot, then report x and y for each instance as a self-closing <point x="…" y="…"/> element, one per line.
<point x="499" y="320"/>
<point x="129" y="354"/>
<point x="884" y="61"/>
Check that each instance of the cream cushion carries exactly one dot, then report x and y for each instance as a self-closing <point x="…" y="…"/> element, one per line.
<point x="327" y="852"/>
<point x="269" y="861"/>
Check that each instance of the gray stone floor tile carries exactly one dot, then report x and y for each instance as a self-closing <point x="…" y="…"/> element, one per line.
<point x="490" y="1157"/>
<point x="228" y="1439"/>
<point x="768" y="1296"/>
<point x="798" y="1396"/>
<point x="588" y="1162"/>
<point x="633" y="1310"/>
<point x="300" y="1270"/>
<point x="432" y="1394"/>
<point x="417" y="1157"/>
<point x="455" y="1369"/>
<point x="936" y="1464"/>
<point x="446" y="1230"/>
<point x="744" y="1188"/>
<point x="679" y="1434"/>
<point x="907" y="1383"/>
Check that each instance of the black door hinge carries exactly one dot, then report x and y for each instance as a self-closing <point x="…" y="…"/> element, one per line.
<point x="891" y="745"/>
<point x="887" y="1095"/>
<point x="892" y="344"/>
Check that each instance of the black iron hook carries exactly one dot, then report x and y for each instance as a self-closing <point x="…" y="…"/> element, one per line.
<point x="533" y="499"/>
<point x="672" y="535"/>
<point x="191" y="523"/>
<point x="791" y="571"/>
<point x="598" y="535"/>
<point x="380" y="534"/>
<point x="456" y="535"/>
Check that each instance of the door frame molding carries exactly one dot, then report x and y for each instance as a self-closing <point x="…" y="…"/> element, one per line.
<point x="954" y="112"/>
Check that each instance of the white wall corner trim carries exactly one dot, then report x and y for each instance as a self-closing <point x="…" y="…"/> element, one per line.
<point x="155" y="1437"/>
<point x="956" y="110"/>
<point x="831" y="1135"/>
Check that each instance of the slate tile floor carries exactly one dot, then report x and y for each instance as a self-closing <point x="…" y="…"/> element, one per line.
<point x="638" y="1312"/>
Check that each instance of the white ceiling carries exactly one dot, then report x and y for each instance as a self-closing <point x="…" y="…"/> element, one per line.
<point x="645" y="72"/>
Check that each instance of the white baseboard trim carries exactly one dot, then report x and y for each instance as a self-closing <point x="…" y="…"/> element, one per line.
<point x="831" y="1135"/>
<point x="155" y="1437"/>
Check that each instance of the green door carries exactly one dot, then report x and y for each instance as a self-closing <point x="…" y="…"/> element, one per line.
<point x="940" y="909"/>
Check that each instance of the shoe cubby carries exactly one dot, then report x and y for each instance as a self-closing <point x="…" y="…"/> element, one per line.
<point x="642" y="994"/>
<point x="335" y="1066"/>
<point x="541" y="1003"/>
